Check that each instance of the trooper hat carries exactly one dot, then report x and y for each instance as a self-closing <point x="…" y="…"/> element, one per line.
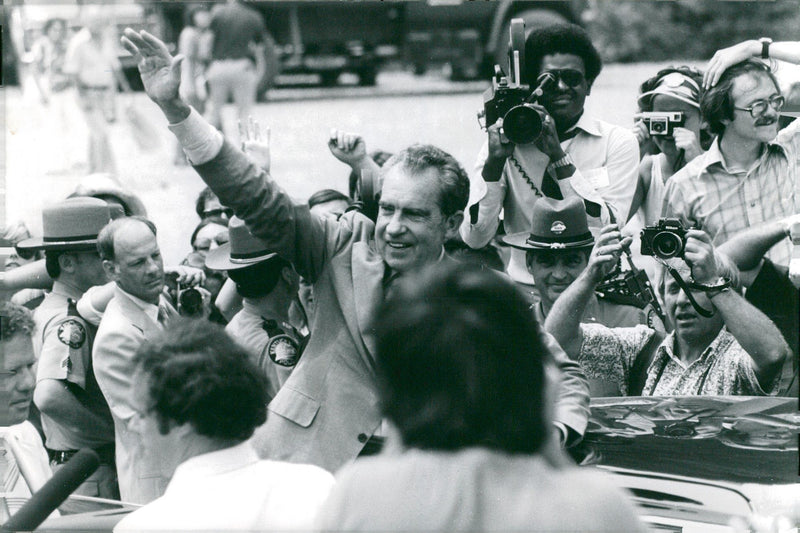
<point x="557" y="225"/>
<point x="70" y="224"/>
<point x="242" y="249"/>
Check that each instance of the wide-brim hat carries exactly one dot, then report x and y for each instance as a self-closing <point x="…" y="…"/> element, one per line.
<point x="242" y="249"/>
<point x="556" y="225"/>
<point x="71" y="224"/>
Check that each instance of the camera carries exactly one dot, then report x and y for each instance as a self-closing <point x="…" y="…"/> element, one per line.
<point x="665" y="239"/>
<point x="508" y="98"/>
<point x="187" y="300"/>
<point x="661" y="123"/>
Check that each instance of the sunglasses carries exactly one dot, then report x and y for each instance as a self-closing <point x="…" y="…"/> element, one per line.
<point x="759" y="107"/>
<point x="224" y="212"/>
<point x="572" y="78"/>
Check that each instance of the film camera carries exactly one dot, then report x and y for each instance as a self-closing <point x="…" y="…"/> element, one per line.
<point x="187" y="300"/>
<point x="665" y="239"/>
<point x="661" y="123"/>
<point x="508" y="98"/>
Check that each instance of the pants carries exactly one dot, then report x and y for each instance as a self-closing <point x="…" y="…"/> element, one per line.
<point x="98" y="106"/>
<point x="101" y="484"/>
<point x="231" y="78"/>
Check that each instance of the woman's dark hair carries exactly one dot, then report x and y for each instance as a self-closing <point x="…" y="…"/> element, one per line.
<point x="197" y="374"/>
<point x="259" y="279"/>
<point x="560" y="39"/>
<point x="206" y="222"/>
<point x="200" y="204"/>
<point x="461" y="362"/>
<point x="717" y="103"/>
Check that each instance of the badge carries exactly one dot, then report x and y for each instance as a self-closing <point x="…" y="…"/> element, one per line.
<point x="72" y="333"/>
<point x="283" y="350"/>
<point x="558" y="227"/>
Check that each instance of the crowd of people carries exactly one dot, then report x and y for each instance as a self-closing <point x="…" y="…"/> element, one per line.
<point x="455" y="331"/>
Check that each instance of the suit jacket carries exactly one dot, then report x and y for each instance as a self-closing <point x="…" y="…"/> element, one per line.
<point x="124" y="327"/>
<point x="328" y="408"/>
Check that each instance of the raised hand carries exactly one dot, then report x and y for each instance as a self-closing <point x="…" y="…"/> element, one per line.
<point x="606" y="252"/>
<point x="255" y="143"/>
<point x="349" y="148"/>
<point x="699" y="255"/>
<point x="687" y="141"/>
<point x="160" y="71"/>
<point x="727" y="57"/>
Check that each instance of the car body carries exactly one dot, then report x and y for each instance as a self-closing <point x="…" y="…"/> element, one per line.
<point x="701" y="463"/>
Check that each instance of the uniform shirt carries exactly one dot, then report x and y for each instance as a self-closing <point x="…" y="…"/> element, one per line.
<point x="63" y="343"/>
<point x="246" y="329"/>
<point x="607" y="168"/>
<point x="232" y="490"/>
<point x="724" y="367"/>
<point x="705" y="193"/>
<point x="474" y="489"/>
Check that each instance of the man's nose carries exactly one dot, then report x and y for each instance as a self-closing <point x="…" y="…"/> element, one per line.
<point x="395" y="225"/>
<point x="27" y="379"/>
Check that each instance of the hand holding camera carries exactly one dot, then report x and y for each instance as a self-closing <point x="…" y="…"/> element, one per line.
<point x="668" y="238"/>
<point x="606" y="252"/>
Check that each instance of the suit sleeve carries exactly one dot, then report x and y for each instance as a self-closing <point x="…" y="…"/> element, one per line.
<point x="290" y="230"/>
<point x="572" y="392"/>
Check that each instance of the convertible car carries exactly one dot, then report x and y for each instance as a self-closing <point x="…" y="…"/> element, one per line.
<point x="691" y="464"/>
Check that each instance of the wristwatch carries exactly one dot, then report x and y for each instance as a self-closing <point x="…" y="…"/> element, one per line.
<point x="765" y="42"/>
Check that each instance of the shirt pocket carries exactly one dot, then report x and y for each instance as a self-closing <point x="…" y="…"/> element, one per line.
<point x="295" y="406"/>
<point x="597" y="177"/>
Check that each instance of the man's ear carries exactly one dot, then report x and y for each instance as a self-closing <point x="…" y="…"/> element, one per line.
<point x="110" y="269"/>
<point x="67" y="263"/>
<point x="451" y="225"/>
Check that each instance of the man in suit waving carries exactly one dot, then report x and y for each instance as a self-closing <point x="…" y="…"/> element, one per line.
<point x="327" y="412"/>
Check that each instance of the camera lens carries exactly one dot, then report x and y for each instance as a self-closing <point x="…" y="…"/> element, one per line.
<point x="658" y="127"/>
<point x="191" y="302"/>
<point x="522" y="124"/>
<point x="667" y="244"/>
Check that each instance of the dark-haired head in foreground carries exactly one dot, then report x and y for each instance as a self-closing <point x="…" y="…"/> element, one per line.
<point x="462" y="363"/>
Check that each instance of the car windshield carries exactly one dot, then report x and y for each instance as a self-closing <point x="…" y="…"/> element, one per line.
<point x="733" y="439"/>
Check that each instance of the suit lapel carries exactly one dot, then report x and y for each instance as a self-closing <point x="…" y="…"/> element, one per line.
<point x="368" y="269"/>
<point x="134" y="313"/>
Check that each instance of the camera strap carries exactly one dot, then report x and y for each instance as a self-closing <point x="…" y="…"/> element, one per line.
<point x="685" y="288"/>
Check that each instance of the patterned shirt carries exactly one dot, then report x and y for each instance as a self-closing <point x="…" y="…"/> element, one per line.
<point x="722" y="202"/>
<point x="724" y="367"/>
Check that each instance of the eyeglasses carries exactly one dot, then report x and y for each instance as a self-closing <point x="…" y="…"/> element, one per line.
<point x="571" y="77"/>
<point x="224" y="212"/>
<point x="759" y="107"/>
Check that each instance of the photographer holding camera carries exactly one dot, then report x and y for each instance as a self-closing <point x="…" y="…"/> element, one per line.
<point x="749" y="175"/>
<point x="574" y="154"/>
<point x="736" y="350"/>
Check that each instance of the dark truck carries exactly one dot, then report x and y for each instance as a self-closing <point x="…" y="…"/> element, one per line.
<point x="326" y="38"/>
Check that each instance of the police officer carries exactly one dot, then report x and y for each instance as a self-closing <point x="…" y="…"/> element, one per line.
<point x="74" y="412"/>
<point x="268" y="285"/>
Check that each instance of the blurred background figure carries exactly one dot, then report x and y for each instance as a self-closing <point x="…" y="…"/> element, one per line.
<point x="328" y="203"/>
<point x="15" y="258"/>
<point x="92" y="62"/>
<point x="208" y="205"/>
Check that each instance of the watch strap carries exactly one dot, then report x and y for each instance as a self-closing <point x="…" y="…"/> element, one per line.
<point x="765" y="42"/>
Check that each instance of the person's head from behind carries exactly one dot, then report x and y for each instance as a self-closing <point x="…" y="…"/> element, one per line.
<point x="461" y="363"/>
<point x="208" y="205"/>
<point x="198" y="17"/>
<point x="328" y="203"/>
<point x="131" y="257"/>
<point x="196" y="391"/>
<point x="675" y="89"/>
<point x="17" y="363"/>
<point x="423" y="196"/>
<point x="565" y="51"/>
<point x="744" y="104"/>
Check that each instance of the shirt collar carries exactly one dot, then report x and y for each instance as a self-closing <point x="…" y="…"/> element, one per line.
<point x="715" y="156"/>
<point x="588" y="125"/>
<point x="200" y="467"/>
<point x="667" y="349"/>
<point x="151" y="310"/>
<point x="66" y="289"/>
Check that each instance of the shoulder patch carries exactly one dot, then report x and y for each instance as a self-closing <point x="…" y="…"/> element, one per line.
<point x="283" y="350"/>
<point x="72" y="333"/>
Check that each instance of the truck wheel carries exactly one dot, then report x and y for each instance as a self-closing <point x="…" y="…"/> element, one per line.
<point x="366" y="76"/>
<point x="534" y="18"/>
<point x="329" y="78"/>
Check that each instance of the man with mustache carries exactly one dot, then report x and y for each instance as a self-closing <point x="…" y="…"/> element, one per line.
<point x="132" y="259"/>
<point x="750" y="173"/>
<point x="574" y="155"/>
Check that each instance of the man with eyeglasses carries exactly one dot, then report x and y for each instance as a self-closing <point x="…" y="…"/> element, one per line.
<point x="749" y="175"/>
<point x="575" y="154"/>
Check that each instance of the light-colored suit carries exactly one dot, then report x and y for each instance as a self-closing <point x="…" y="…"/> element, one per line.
<point x="328" y="408"/>
<point x="125" y="326"/>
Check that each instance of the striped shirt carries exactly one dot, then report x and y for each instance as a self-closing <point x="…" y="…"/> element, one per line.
<point x="706" y="194"/>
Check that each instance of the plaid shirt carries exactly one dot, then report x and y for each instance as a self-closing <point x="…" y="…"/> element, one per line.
<point x="724" y="367"/>
<point x="706" y="194"/>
